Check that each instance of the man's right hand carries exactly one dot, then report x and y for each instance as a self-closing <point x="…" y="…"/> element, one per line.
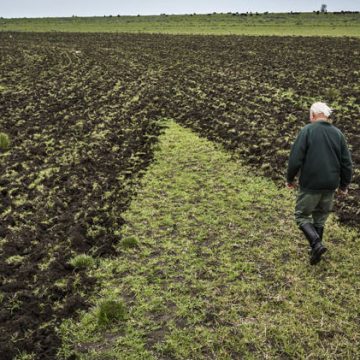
<point x="343" y="192"/>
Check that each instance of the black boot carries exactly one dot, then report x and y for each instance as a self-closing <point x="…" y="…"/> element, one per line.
<point x="317" y="248"/>
<point x="320" y="231"/>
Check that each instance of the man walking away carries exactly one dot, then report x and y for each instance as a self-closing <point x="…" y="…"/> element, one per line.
<point x="321" y="155"/>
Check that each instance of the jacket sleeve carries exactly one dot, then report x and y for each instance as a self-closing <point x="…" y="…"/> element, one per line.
<point x="345" y="166"/>
<point x="297" y="155"/>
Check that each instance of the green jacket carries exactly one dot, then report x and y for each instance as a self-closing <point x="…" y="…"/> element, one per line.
<point x="321" y="154"/>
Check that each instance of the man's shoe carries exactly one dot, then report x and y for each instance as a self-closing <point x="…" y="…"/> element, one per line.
<point x="317" y="248"/>
<point x="316" y="252"/>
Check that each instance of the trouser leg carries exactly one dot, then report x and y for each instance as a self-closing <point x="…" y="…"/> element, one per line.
<point x="323" y="209"/>
<point x="305" y="205"/>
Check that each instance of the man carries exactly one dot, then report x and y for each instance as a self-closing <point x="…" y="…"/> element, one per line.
<point x="321" y="155"/>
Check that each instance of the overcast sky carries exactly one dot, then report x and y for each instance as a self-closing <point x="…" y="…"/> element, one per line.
<point x="43" y="8"/>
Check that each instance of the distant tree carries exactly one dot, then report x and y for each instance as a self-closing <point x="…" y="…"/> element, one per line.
<point x="323" y="8"/>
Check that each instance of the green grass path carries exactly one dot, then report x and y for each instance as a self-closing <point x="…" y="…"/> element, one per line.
<point x="220" y="270"/>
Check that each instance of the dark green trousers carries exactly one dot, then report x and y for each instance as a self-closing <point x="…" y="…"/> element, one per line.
<point x="313" y="207"/>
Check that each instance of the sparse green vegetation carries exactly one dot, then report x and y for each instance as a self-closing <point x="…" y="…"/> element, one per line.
<point x="25" y="356"/>
<point x="14" y="260"/>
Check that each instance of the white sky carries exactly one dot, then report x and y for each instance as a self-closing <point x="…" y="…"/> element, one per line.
<point x="44" y="8"/>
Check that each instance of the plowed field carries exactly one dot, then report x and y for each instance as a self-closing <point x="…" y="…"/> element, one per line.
<point x="81" y="111"/>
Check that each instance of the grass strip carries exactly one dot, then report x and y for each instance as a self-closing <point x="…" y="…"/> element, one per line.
<point x="212" y="266"/>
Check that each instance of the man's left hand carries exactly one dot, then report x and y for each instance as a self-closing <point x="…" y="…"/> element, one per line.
<point x="290" y="185"/>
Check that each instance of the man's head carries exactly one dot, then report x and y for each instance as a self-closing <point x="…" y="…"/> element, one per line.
<point x="319" y="111"/>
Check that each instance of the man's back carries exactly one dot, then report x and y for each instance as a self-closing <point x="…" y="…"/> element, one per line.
<point x="321" y="155"/>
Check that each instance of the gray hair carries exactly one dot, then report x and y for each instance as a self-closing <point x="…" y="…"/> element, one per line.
<point x="320" y="107"/>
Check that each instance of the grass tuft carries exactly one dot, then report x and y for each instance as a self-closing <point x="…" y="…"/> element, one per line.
<point x="82" y="261"/>
<point x="4" y="142"/>
<point x="111" y="311"/>
<point x="130" y="242"/>
<point x="14" y="260"/>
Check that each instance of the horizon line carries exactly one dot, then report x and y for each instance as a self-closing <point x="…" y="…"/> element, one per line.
<point x="182" y="14"/>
